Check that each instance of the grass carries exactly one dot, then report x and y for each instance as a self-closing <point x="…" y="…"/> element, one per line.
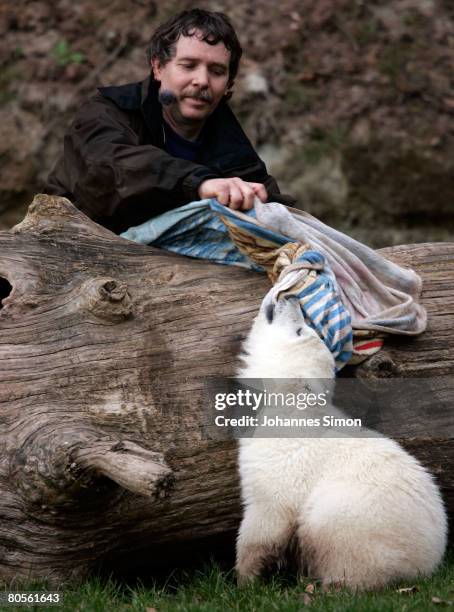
<point x="213" y="589"/>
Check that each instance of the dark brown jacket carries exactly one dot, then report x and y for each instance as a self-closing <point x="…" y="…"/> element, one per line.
<point x="115" y="167"/>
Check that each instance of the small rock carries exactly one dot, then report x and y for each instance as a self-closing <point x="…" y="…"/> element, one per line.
<point x="444" y="602"/>
<point x="75" y="72"/>
<point x="63" y="99"/>
<point x="111" y="39"/>
<point x="32" y="95"/>
<point x="360" y="134"/>
<point x="323" y="11"/>
<point x="306" y="75"/>
<point x="255" y="83"/>
<point x="272" y="156"/>
<point x="407" y="590"/>
<point x="357" y="94"/>
<point x="391" y="19"/>
<point x="41" y="45"/>
<point x="427" y="8"/>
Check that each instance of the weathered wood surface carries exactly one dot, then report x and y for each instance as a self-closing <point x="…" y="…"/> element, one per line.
<point x="105" y="346"/>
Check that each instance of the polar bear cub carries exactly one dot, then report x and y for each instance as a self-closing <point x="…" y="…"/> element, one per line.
<point x="363" y="511"/>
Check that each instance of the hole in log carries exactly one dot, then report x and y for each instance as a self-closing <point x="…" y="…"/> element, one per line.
<point x="110" y="286"/>
<point x="5" y="290"/>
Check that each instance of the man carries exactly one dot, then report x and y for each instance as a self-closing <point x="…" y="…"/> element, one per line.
<point x="138" y="150"/>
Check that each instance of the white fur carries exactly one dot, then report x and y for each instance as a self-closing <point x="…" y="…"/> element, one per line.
<point x="363" y="510"/>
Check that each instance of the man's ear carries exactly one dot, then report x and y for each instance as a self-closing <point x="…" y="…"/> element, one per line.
<point x="156" y="68"/>
<point x="229" y="91"/>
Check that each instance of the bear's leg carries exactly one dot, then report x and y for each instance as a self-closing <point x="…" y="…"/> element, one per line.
<point x="262" y="540"/>
<point x="348" y="537"/>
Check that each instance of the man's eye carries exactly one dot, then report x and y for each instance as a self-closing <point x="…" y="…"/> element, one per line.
<point x="218" y="72"/>
<point x="187" y="66"/>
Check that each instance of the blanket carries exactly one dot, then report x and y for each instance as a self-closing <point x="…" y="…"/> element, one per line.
<point x="349" y="293"/>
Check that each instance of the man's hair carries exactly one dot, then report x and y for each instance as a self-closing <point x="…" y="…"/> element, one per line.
<point x="214" y="28"/>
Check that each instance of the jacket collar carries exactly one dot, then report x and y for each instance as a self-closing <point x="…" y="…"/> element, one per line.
<point x="141" y="96"/>
<point x="152" y="109"/>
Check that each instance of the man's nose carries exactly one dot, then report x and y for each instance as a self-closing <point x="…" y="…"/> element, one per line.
<point x="200" y="77"/>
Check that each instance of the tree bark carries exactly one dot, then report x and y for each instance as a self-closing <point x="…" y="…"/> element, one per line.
<point x="105" y="347"/>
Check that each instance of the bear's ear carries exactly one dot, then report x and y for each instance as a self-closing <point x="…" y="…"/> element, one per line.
<point x="269" y="313"/>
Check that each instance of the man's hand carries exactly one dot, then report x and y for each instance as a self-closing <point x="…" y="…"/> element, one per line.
<point x="233" y="192"/>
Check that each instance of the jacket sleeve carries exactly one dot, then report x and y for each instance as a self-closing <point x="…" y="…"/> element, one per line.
<point x="274" y="193"/>
<point x="106" y="166"/>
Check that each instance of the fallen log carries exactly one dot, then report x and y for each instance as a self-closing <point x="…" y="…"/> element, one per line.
<point x="105" y="346"/>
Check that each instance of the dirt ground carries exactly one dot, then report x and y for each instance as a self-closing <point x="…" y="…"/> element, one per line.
<point x="350" y="103"/>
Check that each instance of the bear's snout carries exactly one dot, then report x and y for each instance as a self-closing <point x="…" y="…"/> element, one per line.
<point x="269" y="312"/>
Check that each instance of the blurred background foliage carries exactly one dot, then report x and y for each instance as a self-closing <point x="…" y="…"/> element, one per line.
<point x="350" y="103"/>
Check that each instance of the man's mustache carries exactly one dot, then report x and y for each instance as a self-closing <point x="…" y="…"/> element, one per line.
<point x="168" y="97"/>
<point x="197" y="94"/>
